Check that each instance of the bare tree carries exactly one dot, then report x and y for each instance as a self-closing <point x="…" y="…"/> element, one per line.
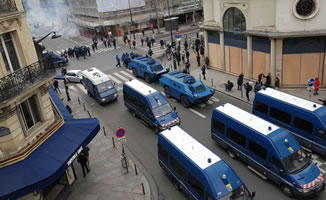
<point x="194" y="14"/>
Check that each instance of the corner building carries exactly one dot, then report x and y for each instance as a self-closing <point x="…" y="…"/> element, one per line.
<point x="284" y="38"/>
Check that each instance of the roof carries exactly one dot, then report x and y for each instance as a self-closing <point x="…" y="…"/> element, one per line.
<point x="296" y="101"/>
<point x="182" y="77"/>
<point x="95" y="76"/>
<point x="194" y="150"/>
<point x="248" y="119"/>
<point x="140" y="87"/>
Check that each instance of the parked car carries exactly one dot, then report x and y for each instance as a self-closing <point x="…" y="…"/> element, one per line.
<point x="74" y="76"/>
<point x="58" y="61"/>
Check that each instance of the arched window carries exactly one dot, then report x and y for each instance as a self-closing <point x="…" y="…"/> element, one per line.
<point x="234" y="21"/>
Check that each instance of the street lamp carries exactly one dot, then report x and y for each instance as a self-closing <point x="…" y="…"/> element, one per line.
<point x="38" y="48"/>
<point x="170" y="21"/>
<point x="131" y="21"/>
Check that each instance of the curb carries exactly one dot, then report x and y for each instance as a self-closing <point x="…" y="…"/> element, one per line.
<point x="230" y="95"/>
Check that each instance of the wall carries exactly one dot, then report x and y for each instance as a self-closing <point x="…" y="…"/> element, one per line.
<point x="261" y="14"/>
<point x="209" y="10"/>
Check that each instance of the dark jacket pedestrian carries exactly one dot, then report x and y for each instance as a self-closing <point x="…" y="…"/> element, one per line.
<point x="152" y="41"/>
<point x="93" y="47"/>
<point x="109" y="42"/>
<point x="56" y="86"/>
<point x="257" y="87"/>
<point x="186" y="45"/>
<point x="104" y="42"/>
<point x="143" y="31"/>
<point x="187" y="55"/>
<point x="207" y="61"/>
<point x="198" y="59"/>
<point x="134" y="44"/>
<point x="118" y="61"/>
<point x="268" y="80"/>
<point x="178" y="57"/>
<point x="149" y="44"/>
<point x="187" y="65"/>
<point x="142" y="42"/>
<point x="240" y="81"/>
<point x="277" y="82"/>
<point x="228" y="86"/>
<point x="150" y="52"/>
<point x="88" y="51"/>
<point x="202" y="51"/>
<point x="82" y="160"/>
<point x="162" y="44"/>
<point x="114" y="43"/>
<point x="203" y="71"/>
<point x="260" y="77"/>
<point x="248" y="88"/>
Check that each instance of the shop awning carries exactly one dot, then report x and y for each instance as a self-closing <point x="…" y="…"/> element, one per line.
<point x="49" y="161"/>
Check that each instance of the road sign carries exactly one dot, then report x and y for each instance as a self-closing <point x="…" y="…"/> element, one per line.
<point x="177" y="32"/>
<point x="132" y="27"/>
<point x="311" y="82"/>
<point x="177" y="36"/>
<point x="120" y="132"/>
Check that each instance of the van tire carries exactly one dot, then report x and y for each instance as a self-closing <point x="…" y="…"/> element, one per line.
<point x="134" y="72"/>
<point x="133" y="113"/>
<point x="176" y="184"/>
<point x="185" y="101"/>
<point x="89" y="94"/>
<point x="231" y="153"/>
<point x="287" y="190"/>
<point x="147" y="78"/>
<point x="167" y="91"/>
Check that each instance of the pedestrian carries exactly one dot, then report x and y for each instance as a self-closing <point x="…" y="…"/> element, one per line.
<point x="69" y="109"/>
<point x="268" y="80"/>
<point x="202" y="51"/>
<point x="118" y="61"/>
<point x="104" y="42"/>
<point x="162" y="43"/>
<point x="86" y="153"/>
<point x="277" y="82"/>
<point x="134" y="44"/>
<point x="149" y="44"/>
<point x="248" y="88"/>
<point x="239" y="81"/>
<point x="143" y="31"/>
<point x="186" y="45"/>
<point x="63" y="71"/>
<point x="152" y="41"/>
<point x="228" y="86"/>
<point x="203" y="71"/>
<point x="178" y="57"/>
<point x="207" y="61"/>
<point x="142" y="42"/>
<point x="82" y="160"/>
<point x="150" y="52"/>
<point x="93" y="47"/>
<point x="198" y="59"/>
<point x="95" y="44"/>
<point x="88" y="51"/>
<point x="187" y="65"/>
<point x="257" y="87"/>
<point x="114" y="43"/>
<point x="260" y="77"/>
<point x="187" y="54"/>
<point x="56" y="86"/>
<point x="183" y="57"/>
<point x="109" y="43"/>
<point x="125" y="38"/>
<point x="316" y="86"/>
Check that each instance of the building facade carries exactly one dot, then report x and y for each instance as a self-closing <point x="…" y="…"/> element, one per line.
<point x="284" y="38"/>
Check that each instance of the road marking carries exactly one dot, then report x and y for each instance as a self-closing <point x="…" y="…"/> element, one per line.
<point x="82" y="88"/>
<point x="202" y="105"/>
<point x="92" y="104"/>
<point x="197" y="113"/>
<point x="58" y="52"/>
<point x="121" y="77"/>
<point x="130" y="71"/>
<point x="73" y="88"/>
<point x="127" y="74"/>
<point x="118" y="88"/>
<point x="209" y="102"/>
<point x="114" y="79"/>
<point x="214" y="99"/>
<point x="173" y="99"/>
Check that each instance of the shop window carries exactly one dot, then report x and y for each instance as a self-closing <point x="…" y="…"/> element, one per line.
<point x="30" y="112"/>
<point x="178" y="168"/>
<point x="163" y="153"/>
<point x="236" y="137"/>
<point x="281" y="116"/>
<point x="196" y="185"/>
<point x="219" y="126"/>
<point x="303" y="125"/>
<point x="261" y="107"/>
<point x="257" y="149"/>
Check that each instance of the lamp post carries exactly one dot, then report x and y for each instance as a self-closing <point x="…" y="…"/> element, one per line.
<point x="131" y="21"/>
<point x="170" y="21"/>
<point x="39" y="49"/>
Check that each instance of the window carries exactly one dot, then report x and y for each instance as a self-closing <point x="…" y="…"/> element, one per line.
<point x="163" y="153"/>
<point x="237" y="137"/>
<point x="281" y="115"/>
<point x="177" y="167"/>
<point x="219" y="126"/>
<point x="275" y="162"/>
<point x="257" y="149"/>
<point x="196" y="185"/>
<point x="261" y="107"/>
<point x="8" y="53"/>
<point x="321" y="134"/>
<point x="303" y="125"/>
<point x="30" y="113"/>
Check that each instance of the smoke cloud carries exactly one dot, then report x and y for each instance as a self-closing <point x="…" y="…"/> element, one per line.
<point x="44" y="16"/>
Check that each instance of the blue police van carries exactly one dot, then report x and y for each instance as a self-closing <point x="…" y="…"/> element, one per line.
<point x="271" y="152"/>
<point x="147" y="68"/>
<point x="149" y="105"/>
<point x="185" y="88"/>
<point x="99" y="85"/>
<point x="306" y="120"/>
<point x="196" y="170"/>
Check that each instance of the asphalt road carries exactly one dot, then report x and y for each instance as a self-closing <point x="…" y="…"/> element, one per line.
<point x="141" y="141"/>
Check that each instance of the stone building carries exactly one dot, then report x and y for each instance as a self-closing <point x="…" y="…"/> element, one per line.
<point x="284" y="38"/>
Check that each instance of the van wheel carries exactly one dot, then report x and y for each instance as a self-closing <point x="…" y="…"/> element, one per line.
<point x="147" y="78"/>
<point x="177" y="185"/>
<point x="89" y="94"/>
<point x="133" y="113"/>
<point x="287" y="191"/>
<point x="185" y="101"/>
<point x="157" y="130"/>
<point x="167" y="91"/>
<point x="231" y="153"/>
<point x="134" y="72"/>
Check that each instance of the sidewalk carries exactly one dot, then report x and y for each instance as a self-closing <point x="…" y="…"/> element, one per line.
<point x="107" y="179"/>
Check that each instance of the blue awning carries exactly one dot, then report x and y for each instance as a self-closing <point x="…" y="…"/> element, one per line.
<point x="62" y="109"/>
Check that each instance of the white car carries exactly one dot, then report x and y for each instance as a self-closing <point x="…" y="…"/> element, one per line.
<point x="74" y="76"/>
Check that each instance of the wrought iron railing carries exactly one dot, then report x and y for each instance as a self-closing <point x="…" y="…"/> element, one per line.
<point x="24" y="78"/>
<point x="7" y="6"/>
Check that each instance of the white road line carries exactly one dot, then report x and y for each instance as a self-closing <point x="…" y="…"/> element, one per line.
<point x="209" y="102"/>
<point x="82" y="88"/>
<point x="118" y="88"/>
<point x="127" y="74"/>
<point x="114" y="79"/>
<point x="121" y="77"/>
<point x="73" y="88"/>
<point x="197" y="113"/>
<point x="173" y="99"/>
<point x="202" y="105"/>
<point x="214" y="99"/>
<point x="58" y="52"/>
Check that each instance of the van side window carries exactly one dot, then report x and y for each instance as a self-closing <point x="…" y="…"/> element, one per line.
<point x="281" y="115"/>
<point x="196" y="185"/>
<point x="257" y="149"/>
<point x="219" y="126"/>
<point x="304" y="125"/>
<point x="321" y="134"/>
<point x="275" y="162"/>
<point x="261" y="107"/>
<point x="177" y="167"/>
<point x="163" y="153"/>
<point x="236" y="137"/>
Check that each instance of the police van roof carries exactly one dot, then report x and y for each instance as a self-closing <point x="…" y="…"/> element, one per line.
<point x="95" y="75"/>
<point x="302" y="103"/>
<point x="195" y="151"/>
<point x="140" y="87"/>
<point x="248" y="119"/>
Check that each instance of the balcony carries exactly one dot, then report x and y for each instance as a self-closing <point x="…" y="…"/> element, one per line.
<point x="7" y="6"/>
<point x="24" y="78"/>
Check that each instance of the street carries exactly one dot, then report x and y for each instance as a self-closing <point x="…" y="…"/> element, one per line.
<point x="141" y="140"/>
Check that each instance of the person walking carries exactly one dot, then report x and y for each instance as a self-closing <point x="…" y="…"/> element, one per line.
<point x="240" y="81"/>
<point x="203" y="71"/>
<point x="109" y="42"/>
<point x="143" y="31"/>
<point x="150" y="52"/>
<point x="198" y="59"/>
<point x="268" y="80"/>
<point x="162" y="43"/>
<point x="183" y="57"/>
<point x="88" y="51"/>
<point x="207" y="61"/>
<point x="56" y="86"/>
<point x="82" y="160"/>
<point x="248" y="88"/>
<point x="134" y="44"/>
<point x="178" y="57"/>
<point x="104" y="42"/>
<point x="187" y="55"/>
<point x="142" y="42"/>
<point x="93" y="47"/>
<point x="187" y="65"/>
<point x="152" y="41"/>
<point x="316" y="86"/>
<point x="129" y="43"/>
<point x="118" y="61"/>
<point x="186" y="45"/>
<point x="86" y="153"/>
<point x="114" y="43"/>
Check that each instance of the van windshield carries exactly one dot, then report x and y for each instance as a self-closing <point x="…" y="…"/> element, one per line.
<point x="162" y="110"/>
<point x="103" y="87"/>
<point x="156" y="68"/>
<point x="197" y="89"/>
<point x="241" y="193"/>
<point x="297" y="161"/>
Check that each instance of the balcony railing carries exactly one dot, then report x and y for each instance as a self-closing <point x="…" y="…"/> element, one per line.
<point x="7" y="6"/>
<point x="23" y="78"/>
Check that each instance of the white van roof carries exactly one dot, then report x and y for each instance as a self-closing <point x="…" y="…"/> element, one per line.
<point x="302" y="103"/>
<point x="195" y="151"/>
<point x="95" y="76"/>
<point x="140" y="87"/>
<point x="254" y="122"/>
